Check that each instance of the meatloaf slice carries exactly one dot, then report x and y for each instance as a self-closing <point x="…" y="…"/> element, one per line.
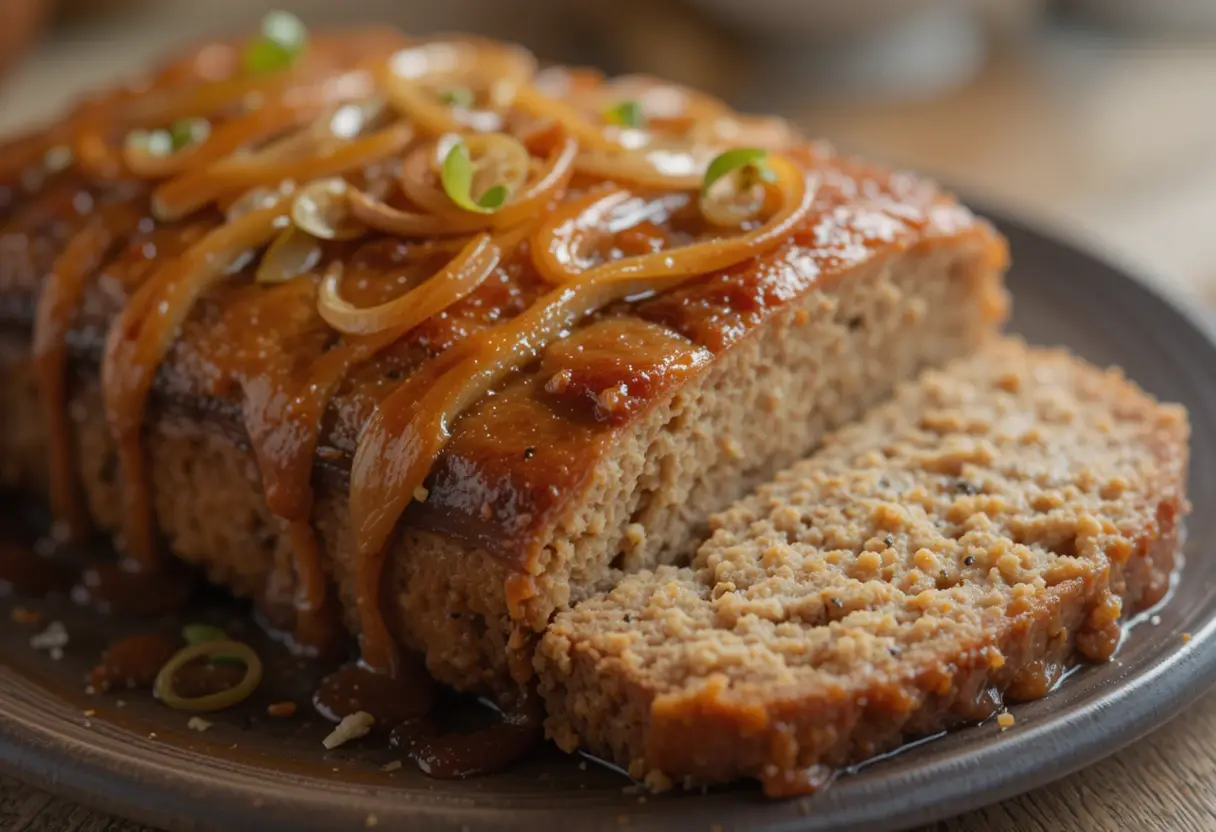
<point x="963" y="542"/>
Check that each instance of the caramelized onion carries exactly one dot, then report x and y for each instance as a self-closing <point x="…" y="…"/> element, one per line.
<point x="667" y="165"/>
<point x="260" y="125"/>
<point x="561" y="242"/>
<point x="256" y="199"/>
<point x="57" y="307"/>
<point x="141" y="336"/>
<point x="189" y="192"/>
<point x="547" y="186"/>
<point x="399" y="444"/>
<point x="661" y="102"/>
<point x="96" y="121"/>
<point x="412" y="76"/>
<point x="321" y="209"/>
<point x="465" y="273"/>
<point x="734" y="130"/>
<point x="293" y="253"/>
<point x="589" y="134"/>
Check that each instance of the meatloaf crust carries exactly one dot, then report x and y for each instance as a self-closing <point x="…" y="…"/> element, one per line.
<point x="601" y="457"/>
<point x="963" y="543"/>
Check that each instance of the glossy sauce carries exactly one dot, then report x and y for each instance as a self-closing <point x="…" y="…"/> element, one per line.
<point x="389" y="700"/>
<point x="124" y="588"/>
<point x="131" y="663"/>
<point x="23" y="571"/>
<point x="456" y="755"/>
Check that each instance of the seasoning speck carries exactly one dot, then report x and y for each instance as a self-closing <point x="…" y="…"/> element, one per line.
<point x="395" y="765"/>
<point x="197" y="723"/>
<point x="54" y="638"/>
<point x="529" y="453"/>
<point x="1005" y="720"/>
<point x="281" y="710"/>
<point x="371" y="822"/>
<point x="23" y="615"/>
<point x="90" y="712"/>
<point x="1186" y="637"/>
<point x="350" y="728"/>
<point x="420" y="494"/>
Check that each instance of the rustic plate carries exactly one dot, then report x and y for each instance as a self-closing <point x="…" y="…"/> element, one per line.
<point x="140" y="760"/>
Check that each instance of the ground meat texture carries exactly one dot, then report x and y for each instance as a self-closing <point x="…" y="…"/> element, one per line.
<point x="967" y="540"/>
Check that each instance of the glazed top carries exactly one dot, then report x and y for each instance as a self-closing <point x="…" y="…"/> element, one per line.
<point x="423" y="261"/>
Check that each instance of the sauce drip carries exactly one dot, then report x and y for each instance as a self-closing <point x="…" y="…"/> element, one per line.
<point x="123" y="588"/>
<point x="452" y="755"/>
<point x="354" y="688"/>
<point x="131" y="663"/>
<point x="23" y="571"/>
<point x="57" y="306"/>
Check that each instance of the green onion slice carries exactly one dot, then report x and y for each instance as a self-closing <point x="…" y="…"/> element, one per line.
<point x="284" y="38"/>
<point x="202" y="633"/>
<point x="626" y="114"/>
<point x="213" y="701"/>
<point x="740" y="159"/>
<point x="460" y="97"/>
<point x="457" y="179"/>
<point x="187" y="131"/>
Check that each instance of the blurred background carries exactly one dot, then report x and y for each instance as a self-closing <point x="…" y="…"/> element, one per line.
<point x="1094" y="117"/>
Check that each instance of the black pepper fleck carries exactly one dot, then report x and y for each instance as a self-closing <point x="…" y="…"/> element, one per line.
<point x="837" y="603"/>
<point x="889" y="540"/>
<point x="529" y="453"/>
<point x="967" y="561"/>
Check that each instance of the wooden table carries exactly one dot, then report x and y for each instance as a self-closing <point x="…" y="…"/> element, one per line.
<point x="1112" y="142"/>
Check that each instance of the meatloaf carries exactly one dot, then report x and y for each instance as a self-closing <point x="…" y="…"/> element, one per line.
<point x="602" y="453"/>
<point x="963" y="543"/>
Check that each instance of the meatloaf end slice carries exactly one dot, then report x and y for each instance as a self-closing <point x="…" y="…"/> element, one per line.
<point x="963" y="542"/>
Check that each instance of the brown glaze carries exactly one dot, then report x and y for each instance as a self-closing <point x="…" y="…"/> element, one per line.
<point x="201" y="678"/>
<point x="391" y="701"/>
<point x="125" y="588"/>
<point x="131" y="663"/>
<point x="57" y="308"/>
<point x="456" y="755"/>
<point x="23" y="571"/>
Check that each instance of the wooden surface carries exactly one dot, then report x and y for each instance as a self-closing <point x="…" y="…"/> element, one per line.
<point x="1111" y="141"/>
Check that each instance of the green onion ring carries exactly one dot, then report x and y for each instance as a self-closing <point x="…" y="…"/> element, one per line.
<point x="213" y="701"/>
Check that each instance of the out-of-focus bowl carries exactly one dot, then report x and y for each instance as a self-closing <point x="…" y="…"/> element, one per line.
<point x="824" y="20"/>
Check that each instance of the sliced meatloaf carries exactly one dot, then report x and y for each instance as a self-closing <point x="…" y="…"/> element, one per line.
<point x="603" y="456"/>
<point x="964" y="542"/>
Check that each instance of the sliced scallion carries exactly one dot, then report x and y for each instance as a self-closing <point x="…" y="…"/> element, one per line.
<point x="739" y="159"/>
<point x="459" y="97"/>
<point x="457" y="179"/>
<point x="284" y="38"/>
<point x="626" y="114"/>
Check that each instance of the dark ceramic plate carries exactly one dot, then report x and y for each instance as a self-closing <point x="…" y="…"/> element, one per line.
<point x="140" y="760"/>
